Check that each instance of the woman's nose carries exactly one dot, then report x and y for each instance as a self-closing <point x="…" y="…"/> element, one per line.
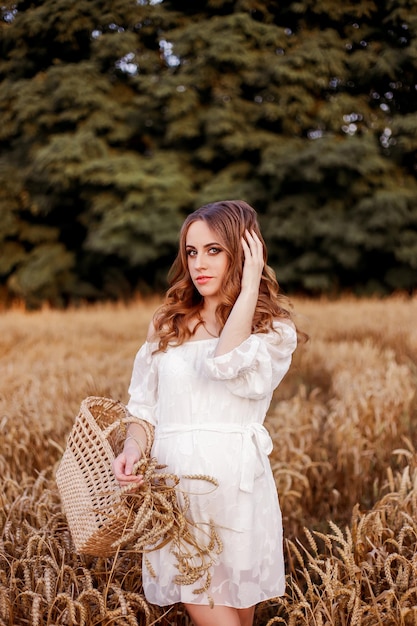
<point x="199" y="260"/>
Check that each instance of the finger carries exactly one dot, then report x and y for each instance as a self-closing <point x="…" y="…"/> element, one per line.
<point x="122" y="477"/>
<point x="119" y="467"/>
<point x="246" y="248"/>
<point x="252" y="239"/>
<point x="255" y="239"/>
<point x="122" y="473"/>
<point x="258" y="246"/>
<point x="255" y="250"/>
<point x="249" y="240"/>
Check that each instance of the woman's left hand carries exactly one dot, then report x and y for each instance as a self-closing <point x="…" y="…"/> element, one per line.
<point x="254" y="262"/>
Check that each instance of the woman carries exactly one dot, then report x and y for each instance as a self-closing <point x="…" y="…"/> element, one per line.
<point x="216" y="350"/>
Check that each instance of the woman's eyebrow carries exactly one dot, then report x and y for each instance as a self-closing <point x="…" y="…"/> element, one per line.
<point x="206" y="245"/>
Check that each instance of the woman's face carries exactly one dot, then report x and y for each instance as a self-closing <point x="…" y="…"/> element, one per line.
<point x="207" y="259"/>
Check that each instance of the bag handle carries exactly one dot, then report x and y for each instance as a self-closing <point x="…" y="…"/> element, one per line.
<point x="123" y="420"/>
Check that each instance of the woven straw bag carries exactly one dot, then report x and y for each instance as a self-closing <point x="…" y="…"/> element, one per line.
<point x="97" y="513"/>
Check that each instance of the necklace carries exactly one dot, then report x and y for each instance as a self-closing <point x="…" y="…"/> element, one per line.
<point x="207" y="330"/>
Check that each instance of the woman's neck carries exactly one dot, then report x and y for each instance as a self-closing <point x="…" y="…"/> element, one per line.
<point x="208" y="316"/>
<point x="209" y="307"/>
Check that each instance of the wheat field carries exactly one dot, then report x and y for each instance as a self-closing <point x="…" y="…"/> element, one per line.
<point x="343" y="424"/>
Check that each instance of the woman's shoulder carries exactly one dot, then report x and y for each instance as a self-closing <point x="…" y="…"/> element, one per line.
<point x="276" y="328"/>
<point x="284" y="332"/>
<point x="283" y="322"/>
<point x="151" y="336"/>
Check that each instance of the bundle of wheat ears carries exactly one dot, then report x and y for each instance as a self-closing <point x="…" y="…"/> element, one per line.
<point x="158" y="519"/>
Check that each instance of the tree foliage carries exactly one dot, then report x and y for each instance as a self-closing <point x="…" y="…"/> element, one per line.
<point x="118" y="118"/>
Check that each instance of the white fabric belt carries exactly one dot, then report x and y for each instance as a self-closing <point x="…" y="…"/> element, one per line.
<point x="256" y="445"/>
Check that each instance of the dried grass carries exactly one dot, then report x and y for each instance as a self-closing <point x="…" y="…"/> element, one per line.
<point x="344" y="460"/>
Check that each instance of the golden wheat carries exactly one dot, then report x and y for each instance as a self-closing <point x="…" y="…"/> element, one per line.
<point x="344" y="460"/>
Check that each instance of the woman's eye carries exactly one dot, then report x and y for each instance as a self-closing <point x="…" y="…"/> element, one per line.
<point x="212" y="251"/>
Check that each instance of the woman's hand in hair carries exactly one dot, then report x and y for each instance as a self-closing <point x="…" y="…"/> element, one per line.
<point x="238" y="326"/>
<point x="253" y="263"/>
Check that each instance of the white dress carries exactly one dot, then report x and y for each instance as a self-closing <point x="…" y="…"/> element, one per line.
<point x="208" y="414"/>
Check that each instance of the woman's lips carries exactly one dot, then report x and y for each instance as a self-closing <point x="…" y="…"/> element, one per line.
<point x="202" y="280"/>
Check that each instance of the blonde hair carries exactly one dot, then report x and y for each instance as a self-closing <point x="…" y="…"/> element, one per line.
<point x="228" y="219"/>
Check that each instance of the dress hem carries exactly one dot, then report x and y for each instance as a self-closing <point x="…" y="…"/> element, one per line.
<point x="230" y="606"/>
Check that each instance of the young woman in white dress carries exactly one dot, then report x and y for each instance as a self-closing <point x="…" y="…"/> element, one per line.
<point x="216" y="350"/>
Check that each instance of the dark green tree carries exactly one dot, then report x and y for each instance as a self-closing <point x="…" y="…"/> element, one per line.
<point x="120" y="117"/>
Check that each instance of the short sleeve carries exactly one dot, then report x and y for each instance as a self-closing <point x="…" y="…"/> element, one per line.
<point x="143" y="388"/>
<point x="256" y="367"/>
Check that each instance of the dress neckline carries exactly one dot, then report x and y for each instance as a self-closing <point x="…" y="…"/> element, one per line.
<point x="200" y="340"/>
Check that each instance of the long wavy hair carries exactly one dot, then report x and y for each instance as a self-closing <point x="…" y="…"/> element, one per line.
<point x="175" y="321"/>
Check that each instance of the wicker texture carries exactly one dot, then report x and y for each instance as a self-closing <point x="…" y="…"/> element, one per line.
<point x="97" y="512"/>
